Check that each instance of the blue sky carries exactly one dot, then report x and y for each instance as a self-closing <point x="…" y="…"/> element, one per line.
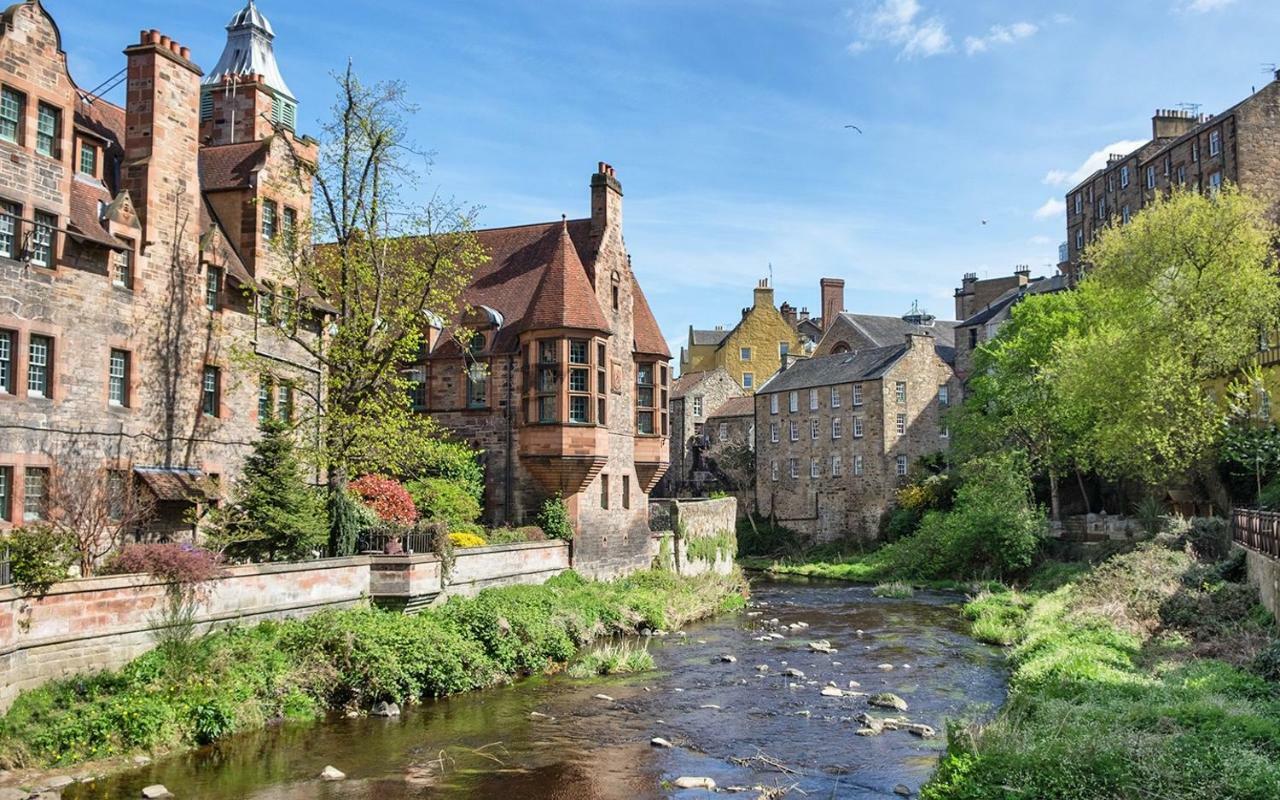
<point x="725" y="119"/>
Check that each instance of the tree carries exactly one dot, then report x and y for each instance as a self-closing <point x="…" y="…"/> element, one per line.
<point x="389" y="268"/>
<point x="273" y="514"/>
<point x="1014" y="400"/>
<point x="1173" y="300"/>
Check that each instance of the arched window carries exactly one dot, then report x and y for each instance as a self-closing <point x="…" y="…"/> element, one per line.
<point x="476" y="345"/>
<point x="841" y="347"/>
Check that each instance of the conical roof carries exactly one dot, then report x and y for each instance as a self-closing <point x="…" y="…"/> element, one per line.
<point x="564" y="297"/>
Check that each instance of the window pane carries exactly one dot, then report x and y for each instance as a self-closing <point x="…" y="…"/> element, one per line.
<point x="42" y="239"/>
<point x="11" y="104"/>
<point x="39" y="356"/>
<point x="10" y="213"/>
<point x="47" y="123"/>
<point x="6" y="362"/>
<point x="547" y="380"/>
<point x="578" y="380"/>
<point x="547" y="352"/>
<point x="117" y="375"/>
<point x="124" y="267"/>
<point x="210" y="391"/>
<point x="644" y="374"/>
<point x="268" y="219"/>
<point x="546" y="409"/>
<point x="645" y="397"/>
<point x="88" y="158"/>
<point x="284" y="403"/>
<point x="644" y="421"/>
<point x="578" y="406"/>
<point x="34" y="493"/>
<point x="264" y="399"/>
<point x="6" y="494"/>
<point x="212" y="285"/>
<point x="577" y="351"/>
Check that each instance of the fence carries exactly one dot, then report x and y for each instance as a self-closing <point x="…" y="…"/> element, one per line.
<point x="6" y="572"/>
<point x="376" y="542"/>
<point x="1257" y="530"/>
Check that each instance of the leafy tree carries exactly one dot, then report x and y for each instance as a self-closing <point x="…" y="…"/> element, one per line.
<point x="273" y="514"/>
<point x="1172" y="300"/>
<point x="554" y="520"/>
<point x="1250" y="443"/>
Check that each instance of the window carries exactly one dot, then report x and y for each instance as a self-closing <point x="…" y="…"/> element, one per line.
<point x="1168" y="165"/>
<point x="42" y="239"/>
<point x="857" y="427"/>
<point x="773" y="432"/>
<point x="836" y="466"/>
<point x="12" y="107"/>
<point x="645" y="408"/>
<point x="602" y="380"/>
<point x="1111" y="182"/>
<point x="902" y="466"/>
<point x="773" y="470"/>
<point x="793" y="402"/>
<point x="616" y="301"/>
<point x="697" y="406"/>
<point x="1195" y="151"/>
<point x="744" y="353"/>
<point x="1079" y="203"/>
<point x="1215" y="143"/>
<point x="212" y="288"/>
<point x="210" y="391"/>
<point x="814" y="427"/>
<point x="626" y="491"/>
<point x="784" y="348"/>
<point x="1151" y="176"/>
<point x="88" y="159"/>
<point x="7" y="339"/>
<point x="478" y="389"/>
<point x="268" y="219"/>
<point x="944" y="395"/>
<point x="901" y="424"/>
<point x="748" y="380"/>
<point x="39" y="362"/>
<point x="604" y="492"/>
<point x="857" y="465"/>
<point x="417" y="378"/>
<point x="973" y="333"/>
<point x="793" y="468"/>
<point x="117" y="485"/>
<point x="1124" y="215"/>
<point x="6" y="494"/>
<point x="1102" y="208"/>
<point x="1182" y="174"/>
<point x="48" y="130"/>
<point x="265" y="401"/>
<point x="124" y="266"/>
<point x="290" y="226"/>
<point x="724" y="431"/>
<point x="35" y="493"/>
<point x="1215" y="182"/>
<point x="815" y="471"/>
<point x="795" y="431"/>
<point x="284" y="402"/>
<point x="900" y="391"/>
<point x="857" y="394"/>
<point x="813" y="399"/>
<point x="206" y="106"/>
<point x="118" y="378"/>
<point x="1124" y="177"/>
<point x="836" y="428"/>
<point x="773" y="404"/>
<point x="10" y="215"/>
<point x="835" y="397"/>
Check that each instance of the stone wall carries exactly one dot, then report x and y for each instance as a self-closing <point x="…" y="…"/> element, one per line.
<point x="681" y="523"/>
<point x="1264" y="573"/>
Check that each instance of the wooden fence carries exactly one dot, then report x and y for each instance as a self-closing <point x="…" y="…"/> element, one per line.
<point x="1257" y="530"/>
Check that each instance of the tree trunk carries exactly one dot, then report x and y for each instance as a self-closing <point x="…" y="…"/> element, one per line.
<point x="1084" y="493"/>
<point x="342" y="525"/>
<point x="1055" y="501"/>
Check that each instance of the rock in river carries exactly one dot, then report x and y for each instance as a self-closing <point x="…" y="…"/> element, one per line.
<point x="694" y="783"/>
<point x="604" y="697"/>
<point x="658" y="741"/>
<point x="332" y="773"/>
<point x="793" y="672"/>
<point x="728" y="659"/>
<point x="384" y="709"/>
<point x="156" y="791"/>
<point x="888" y="700"/>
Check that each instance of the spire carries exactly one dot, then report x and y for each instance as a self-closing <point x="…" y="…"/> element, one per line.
<point x="249" y="52"/>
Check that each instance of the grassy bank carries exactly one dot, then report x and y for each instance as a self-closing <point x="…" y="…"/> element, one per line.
<point x="1138" y="679"/>
<point x="244" y="678"/>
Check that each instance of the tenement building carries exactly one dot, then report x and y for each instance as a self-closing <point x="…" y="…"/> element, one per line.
<point x="141" y="247"/>
<point x="564" y="380"/>
<point x="752" y="350"/>
<point x="983" y="309"/>
<point x="1240" y="145"/>
<point x="836" y="434"/>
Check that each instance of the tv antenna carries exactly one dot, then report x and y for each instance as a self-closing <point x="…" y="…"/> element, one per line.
<point x="1191" y="108"/>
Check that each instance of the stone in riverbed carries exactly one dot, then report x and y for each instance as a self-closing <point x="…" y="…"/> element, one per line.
<point x="902" y="790"/>
<point x="888" y="700"/>
<point x="332" y="773"/>
<point x="822" y="646"/>
<point x="60" y="782"/>
<point x="694" y="783"/>
<point x="539" y="715"/>
<point x="606" y="698"/>
<point x="762" y="667"/>
<point x="141" y="761"/>
<point x="156" y="791"/>
<point x="658" y="741"/>
<point x="792" y="672"/>
<point x="831" y="691"/>
<point x="728" y="659"/>
<point x="885" y="667"/>
<point x="923" y="731"/>
<point x="384" y="709"/>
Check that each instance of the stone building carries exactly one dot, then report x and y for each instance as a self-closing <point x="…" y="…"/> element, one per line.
<point x="752" y="351"/>
<point x="844" y="332"/>
<point x="1240" y="145"/>
<point x="731" y="444"/>
<point x="835" y="435"/>
<point x="140" y="247"/>
<point x="564" y="380"/>
<point x="987" y="311"/>
<point x="694" y="396"/>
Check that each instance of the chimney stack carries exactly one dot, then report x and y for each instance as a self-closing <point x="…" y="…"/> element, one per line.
<point x="788" y="314"/>
<point x="763" y="294"/>
<point x="606" y="208"/>
<point x="1170" y="123"/>
<point x="832" y="290"/>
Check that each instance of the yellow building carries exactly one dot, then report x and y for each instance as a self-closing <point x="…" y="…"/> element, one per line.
<point x="752" y="351"/>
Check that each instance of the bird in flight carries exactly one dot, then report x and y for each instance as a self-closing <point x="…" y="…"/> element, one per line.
<point x="855" y="127"/>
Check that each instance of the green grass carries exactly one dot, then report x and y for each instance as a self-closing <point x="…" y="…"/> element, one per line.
<point x="1107" y="700"/>
<point x="614" y="658"/>
<point x="241" y="678"/>
<point x="895" y="589"/>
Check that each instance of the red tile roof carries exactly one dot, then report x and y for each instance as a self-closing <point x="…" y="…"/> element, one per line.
<point x="648" y="336"/>
<point x="231" y="166"/>
<point x="565" y="297"/>
<point x="102" y="119"/>
<point x="85" y="222"/>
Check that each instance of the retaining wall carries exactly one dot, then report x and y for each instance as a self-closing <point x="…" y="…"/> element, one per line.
<point x="690" y="520"/>
<point x="1264" y="573"/>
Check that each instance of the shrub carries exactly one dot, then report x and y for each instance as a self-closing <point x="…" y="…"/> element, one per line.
<point x="895" y="589"/>
<point x="1267" y="663"/>
<point x="527" y="533"/>
<point x="39" y="556"/>
<point x="172" y="563"/>
<point x="553" y="518"/>
<point x="386" y="497"/>
<point x="900" y="523"/>
<point x="1210" y="538"/>
<point x="453" y="461"/>
<point x="444" y="499"/>
<point x="464" y="539"/>
<point x="615" y="658"/>
<point x="345" y="523"/>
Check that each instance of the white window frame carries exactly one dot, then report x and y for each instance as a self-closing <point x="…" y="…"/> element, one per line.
<point x="900" y="424"/>
<point x="857" y="395"/>
<point x="857" y="465"/>
<point x="773" y="404"/>
<point x="835" y="396"/>
<point x="793" y="468"/>
<point x="748" y="380"/>
<point x="900" y="392"/>
<point x="40" y="366"/>
<point x="902" y="466"/>
<point x="1124" y="177"/>
<point x="795" y="431"/>
<point x="857" y="428"/>
<point x="697" y="405"/>
<point x="118" y="378"/>
<point x="944" y="395"/>
<point x="744" y="353"/>
<point x="836" y="466"/>
<point x="724" y="431"/>
<point x="44" y="239"/>
<point x="815" y="468"/>
<point x="773" y="470"/>
<point x="1215" y="143"/>
<point x="1151" y="176"/>
<point x="837" y="428"/>
<point x="773" y="432"/>
<point x="813" y="399"/>
<point x="793" y="402"/>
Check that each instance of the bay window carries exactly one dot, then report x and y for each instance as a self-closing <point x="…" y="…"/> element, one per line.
<point x="567" y="379"/>
<point x="646" y="404"/>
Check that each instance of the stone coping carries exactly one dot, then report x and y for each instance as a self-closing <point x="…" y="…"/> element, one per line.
<point x="462" y="552"/>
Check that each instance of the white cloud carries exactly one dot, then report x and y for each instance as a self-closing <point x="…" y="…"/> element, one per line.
<point x="1042" y="241"/>
<point x="1000" y="34"/>
<point x="1095" y="162"/>
<point x="901" y="24"/>
<point x="1205" y="6"/>
<point x="1053" y="207"/>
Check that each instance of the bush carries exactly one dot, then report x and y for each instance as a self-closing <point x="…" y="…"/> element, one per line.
<point x="759" y="537"/>
<point x="899" y="590"/>
<point x="172" y="563"/>
<point x="386" y="497"/>
<point x="444" y="499"/>
<point x="1210" y="538"/>
<point x="527" y="533"/>
<point x="39" y="556"/>
<point x="553" y="518"/>
<point x="615" y="658"/>
<point x="464" y="539"/>
<point x="1267" y="663"/>
<point x="900" y="523"/>
<point x="455" y="462"/>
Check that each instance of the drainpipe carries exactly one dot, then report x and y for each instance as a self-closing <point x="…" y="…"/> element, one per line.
<point x="508" y="483"/>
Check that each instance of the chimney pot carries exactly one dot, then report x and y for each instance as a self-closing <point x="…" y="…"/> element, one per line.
<point x="164" y="40"/>
<point x="153" y="37"/>
<point x="174" y="47"/>
<point x="185" y="53"/>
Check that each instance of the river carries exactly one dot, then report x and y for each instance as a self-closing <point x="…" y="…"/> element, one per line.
<point x="551" y="737"/>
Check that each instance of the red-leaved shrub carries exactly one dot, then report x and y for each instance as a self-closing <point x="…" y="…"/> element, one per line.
<point x="386" y="497"/>
<point x="182" y="564"/>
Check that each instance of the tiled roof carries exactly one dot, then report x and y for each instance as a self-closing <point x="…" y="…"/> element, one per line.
<point x="831" y="370"/>
<point x="231" y="166"/>
<point x="102" y="119"/>
<point x="708" y="337"/>
<point x="648" y="336"/>
<point x="173" y="483"/>
<point x="85" y="222"/>
<point x="564" y="297"/>
<point x="736" y="407"/>
<point x="886" y="331"/>
<point x="210" y="223"/>
<point x="686" y="382"/>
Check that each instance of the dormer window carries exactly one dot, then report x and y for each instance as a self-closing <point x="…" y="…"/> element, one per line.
<point x="476" y="345"/>
<point x="89" y="161"/>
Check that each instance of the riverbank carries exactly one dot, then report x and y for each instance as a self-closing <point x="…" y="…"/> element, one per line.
<point x="241" y="679"/>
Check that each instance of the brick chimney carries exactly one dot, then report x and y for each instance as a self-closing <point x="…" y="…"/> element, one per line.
<point x="763" y="295"/>
<point x="964" y="296"/>
<point x="606" y="208"/>
<point x="1170" y="123"/>
<point x="788" y="312"/>
<point x="1023" y="274"/>
<point x="832" y="299"/>
<point x="161" y="163"/>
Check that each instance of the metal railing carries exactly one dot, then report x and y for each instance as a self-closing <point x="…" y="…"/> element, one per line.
<point x="6" y="571"/>
<point x="410" y="543"/>
<point x="1257" y="530"/>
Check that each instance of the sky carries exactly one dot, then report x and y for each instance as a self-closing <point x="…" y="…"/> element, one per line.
<point x="726" y="120"/>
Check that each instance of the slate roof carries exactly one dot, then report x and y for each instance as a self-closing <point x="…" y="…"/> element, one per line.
<point x="689" y="380"/>
<point x="862" y="365"/>
<point x="1056" y="283"/>
<point x="172" y="483"/>
<point x="886" y="331"/>
<point x="231" y="166"/>
<point x="714" y="338"/>
<point x="735" y="407"/>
